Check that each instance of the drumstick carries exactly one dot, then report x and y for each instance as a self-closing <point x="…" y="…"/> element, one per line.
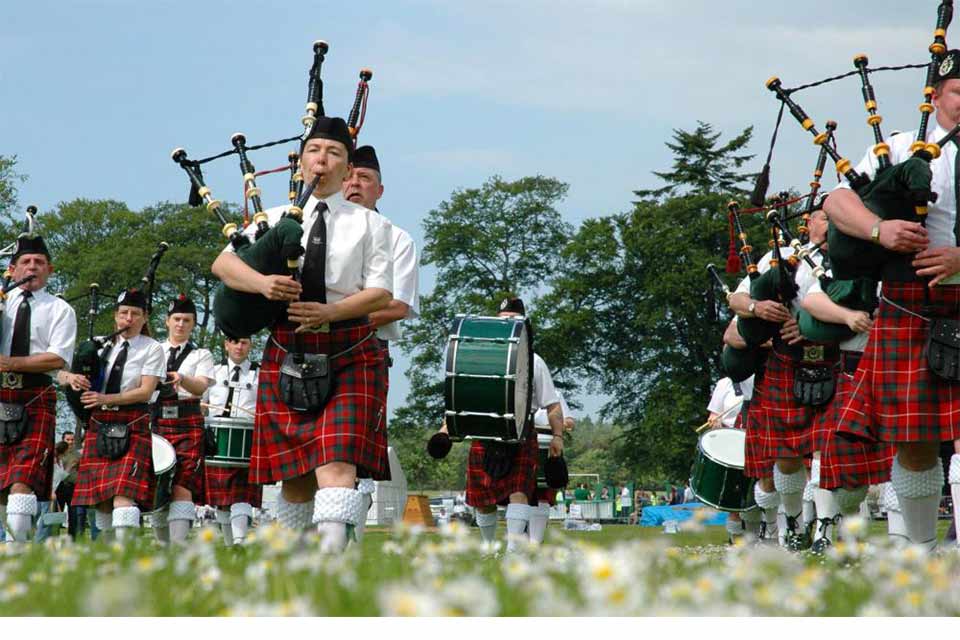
<point x="722" y="415"/>
<point x="224" y="408"/>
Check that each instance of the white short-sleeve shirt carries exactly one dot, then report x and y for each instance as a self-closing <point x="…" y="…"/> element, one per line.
<point x="540" y="418"/>
<point x="725" y="398"/>
<point x="145" y="357"/>
<point x="199" y="362"/>
<point x="359" y="245"/>
<point x="544" y="393"/>
<point x="53" y="325"/>
<point x="245" y="389"/>
<point x="406" y="280"/>
<point x="859" y="341"/>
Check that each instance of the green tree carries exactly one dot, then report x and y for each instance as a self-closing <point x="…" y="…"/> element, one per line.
<point x="9" y="179"/>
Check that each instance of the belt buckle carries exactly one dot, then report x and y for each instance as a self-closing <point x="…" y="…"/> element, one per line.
<point x="11" y="380"/>
<point x="170" y="412"/>
<point x="109" y="407"/>
<point x="324" y="328"/>
<point x="813" y="353"/>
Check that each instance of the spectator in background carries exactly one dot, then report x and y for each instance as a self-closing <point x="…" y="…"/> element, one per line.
<point x="68" y="437"/>
<point x="605" y="494"/>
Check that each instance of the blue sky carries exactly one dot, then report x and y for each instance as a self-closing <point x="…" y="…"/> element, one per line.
<point x="96" y="93"/>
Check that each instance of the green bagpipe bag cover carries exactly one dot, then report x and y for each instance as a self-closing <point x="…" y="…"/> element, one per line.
<point x="892" y="195"/>
<point x="740" y="364"/>
<point x="240" y="314"/>
<point x="859" y="294"/>
<point x="756" y="331"/>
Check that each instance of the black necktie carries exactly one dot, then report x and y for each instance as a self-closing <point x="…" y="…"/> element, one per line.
<point x="20" y="341"/>
<point x="116" y="371"/>
<point x="233" y="385"/>
<point x="314" y="279"/>
<point x="172" y="358"/>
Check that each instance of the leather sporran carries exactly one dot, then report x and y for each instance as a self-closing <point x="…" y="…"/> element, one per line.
<point x="113" y="440"/>
<point x="943" y="348"/>
<point x="498" y="458"/>
<point x="305" y="386"/>
<point x="814" y="386"/>
<point x="13" y="423"/>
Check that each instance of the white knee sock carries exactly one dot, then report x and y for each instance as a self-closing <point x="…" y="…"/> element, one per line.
<point x="768" y="503"/>
<point x="21" y="507"/>
<point x="126" y="522"/>
<point x="955" y="491"/>
<point x="849" y="500"/>
<point x="366" y="486"/>
<point x="104" y="521"/>
<point x="827" y="509"/>
<point x="538" y="522"/>
<point x="896" y="530"/>
<point x="241" y="514"/>
<point x="751" y="523"/>
<point x="181" y="517"/>
<point x="296" y="516"/>
<point x="488" y="525"/>
<point x="161" y="527"/>
<point x="334" y="509"/>
<point x="919" y="495"/>
<point x="809" y="509"/>
<point x="734" y="528"/>
<point x="790" y="487"/>
<point x="518" y="515"/>
<point x="223" y="520"/>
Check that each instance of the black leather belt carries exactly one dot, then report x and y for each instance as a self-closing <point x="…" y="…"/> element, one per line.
<point x="140" y="406"/>
<point x="14" y="380"/>
<point x="807" y="353"/>
<point x="176" y="409"/>
<point x="899" y="269"/>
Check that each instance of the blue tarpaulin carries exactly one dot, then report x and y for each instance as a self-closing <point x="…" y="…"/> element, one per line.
<point x="656" y="516"/>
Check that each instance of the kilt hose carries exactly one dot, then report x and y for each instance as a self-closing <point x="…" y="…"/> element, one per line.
<point x="787" y="430"/>
<point x="485" y="491"/>
<point x="350" y="428"/>
<point x="756" y="464"/>
<point x="895" y="397"/>
<point x="225" y="486"/>
<point x="845" y="463"/>
<point x="99" y="479"/>
<point x="186" y="435"/>
<point x="30" y="461"/>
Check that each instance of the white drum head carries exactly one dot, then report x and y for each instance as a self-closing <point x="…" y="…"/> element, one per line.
<point x="725" y="446"/>
<point x="521" y="391"/>
<point x="164" y="455"/>
<point x="543" y="441"/>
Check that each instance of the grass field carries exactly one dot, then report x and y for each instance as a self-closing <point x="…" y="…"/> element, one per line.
<point x="620" y="570"/>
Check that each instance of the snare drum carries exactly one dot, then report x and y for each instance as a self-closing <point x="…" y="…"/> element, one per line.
<point x="489" y="378"/>
<point x="717" y="477"/>
<point x="164" y="466"/>
<point x="234" y="441"/>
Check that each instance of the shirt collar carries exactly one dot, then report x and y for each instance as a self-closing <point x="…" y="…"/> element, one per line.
<point x="244" y="366"/>
<point x="18" y="293"/>
<point x="333" y="201"/>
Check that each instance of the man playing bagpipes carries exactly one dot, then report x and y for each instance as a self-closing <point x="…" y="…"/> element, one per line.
<point x="178" y="417"/>
<point x="38" y="337"/>
<point x="115" y="473"/>
<point x="321" y="403"/>
<point x="907" y="388"/>
<point x="233" y="395"/>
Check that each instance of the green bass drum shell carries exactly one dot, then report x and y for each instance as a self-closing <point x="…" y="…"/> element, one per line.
<point x="717" y="478"/>
<point x="489" y="378"/>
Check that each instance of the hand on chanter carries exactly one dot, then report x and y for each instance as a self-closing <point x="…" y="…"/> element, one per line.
<point x="283" y="288"/>
<point x="790" y="332"/>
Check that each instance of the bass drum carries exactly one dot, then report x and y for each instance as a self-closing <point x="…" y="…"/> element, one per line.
<point x="717" y="477"/>
<point x="489" y="378"/>
<point x="164" y="466"/>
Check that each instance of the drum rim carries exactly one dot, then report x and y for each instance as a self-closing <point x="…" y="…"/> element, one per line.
<point x="718" y="507"/>
<point x="163" y="442"/>
<point x="239" y="422"/>
<point x="713" y="459"/>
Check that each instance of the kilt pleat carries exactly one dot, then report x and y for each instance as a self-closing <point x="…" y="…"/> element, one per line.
<point x="225" y="486"/>
<point x="787" y="430"/>
<point x="895" y="397"/>
<point x="756" y="463"/>
<point x="484" y="490"/>
<point x="30" y="461"/>
<point x="350" y="428"/>
<point x="186" y="436"/>
<point x="100" y="479"/>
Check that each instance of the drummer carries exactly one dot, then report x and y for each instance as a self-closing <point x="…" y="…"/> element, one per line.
<point x="347" y="274"/>
<point x="518" y="485"/>
<point x="115" y="473"/>
<point x="233" y="395"/>
<point x="178" y="417"/>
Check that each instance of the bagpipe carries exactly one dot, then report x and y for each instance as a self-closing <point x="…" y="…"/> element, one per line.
<point x="274" y="248"/>
<point x="86" y="358"/>
<point x="899" y="191"/>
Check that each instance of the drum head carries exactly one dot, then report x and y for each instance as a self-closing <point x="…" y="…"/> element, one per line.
<point x="726" y="446"/>
<point x="523" y="390"/>
<point x="164" y="455"/>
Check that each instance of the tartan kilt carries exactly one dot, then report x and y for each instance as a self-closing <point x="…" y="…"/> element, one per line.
<point x="186" y="436"/>
<point x="895" y="397"/>
<point x="544" y="494"/>
<point x="225" y="486"/>
<point x="787" y="429"/>
<point x="484" y="491"/>
<point x="756" y="464"/>
<point x="30" y="461"/>
<point x="351" y="426"/>
<point x="100" y="479"/>
<point x="848" y="463"/>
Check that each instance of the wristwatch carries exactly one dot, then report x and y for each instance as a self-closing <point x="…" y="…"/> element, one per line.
<point x="875" y="233"/>
<point x="752" y="309"/>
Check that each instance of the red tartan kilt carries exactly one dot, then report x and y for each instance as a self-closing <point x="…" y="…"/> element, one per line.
<point x="225" y="486"/>
<point x="30" y="461"/>
<point x="186" y="436"/>
<point x="847" y="463"/>
<point x="484" y="491"/>
<point x="756" y="464"/>
<point x="100" y="479"/>
<point x="787" y="431"/>
<point x="895" y="397"/>
<point x="547" y="495"/>
<point x="351" y="427"/>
